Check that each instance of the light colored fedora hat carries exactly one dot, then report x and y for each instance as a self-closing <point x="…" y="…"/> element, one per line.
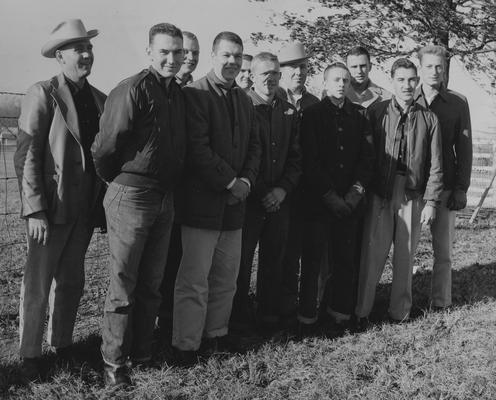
<point x="66" y="32"/>
<point x="292" y="52"/>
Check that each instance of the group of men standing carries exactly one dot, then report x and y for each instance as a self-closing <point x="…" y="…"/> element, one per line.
<point x="195" y="173"/>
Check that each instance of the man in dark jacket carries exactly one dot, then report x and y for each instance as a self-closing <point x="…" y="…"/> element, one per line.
<point x="267" y="209"/>
<point x="454" y="118"/>
<point x="338" y="158"/>
<point x="222" y="165"/>
<point x="407" y="188"/>
<point x="60" y="192"/>
<point x="139" y="151"/>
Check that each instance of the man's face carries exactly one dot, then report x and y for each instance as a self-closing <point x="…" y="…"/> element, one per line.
<point x="166" y="54"/>
<point x="432" y="69"/>
<point x="359" y="67"/>
<point x="265" y="76"/>
<point x="191" y="55"/>
<point x="294" y="75"/>
<point x="337" y="83"/>
<point x="76" y="59"/>
<point x="405" y="81"/>
<point x="227" y="59"/>
<point x="243" y="79"/>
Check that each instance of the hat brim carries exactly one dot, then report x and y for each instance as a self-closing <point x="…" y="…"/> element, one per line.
<point x="296" y="60"/>
<point x="49" y="49"/>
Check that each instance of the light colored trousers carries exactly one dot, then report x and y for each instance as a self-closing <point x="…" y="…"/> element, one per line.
<point x="53" y="275"/>
<point x="205" y="285"/>
<point x="395" y="221"/>
<point x="443" y="233"/>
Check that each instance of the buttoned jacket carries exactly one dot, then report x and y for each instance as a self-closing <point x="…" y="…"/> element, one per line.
<point x="219" y="150"/>
<point x="337" y="151"/>
<point x="49" y="160"/>
<point x="280" y="164"/>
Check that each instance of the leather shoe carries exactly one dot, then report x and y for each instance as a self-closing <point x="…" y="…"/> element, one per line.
<point x="116" y="376"/>
<point x="185" y="358"/>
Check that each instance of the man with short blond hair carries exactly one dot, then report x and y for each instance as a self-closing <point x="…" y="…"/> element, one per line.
<point x="191" y="49"/>
<point x="60" y="192"/>
<point x="453" y="113"/>
<point x="267" y="208"/>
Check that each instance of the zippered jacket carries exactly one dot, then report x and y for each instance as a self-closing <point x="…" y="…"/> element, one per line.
<point x="424" y="161"/>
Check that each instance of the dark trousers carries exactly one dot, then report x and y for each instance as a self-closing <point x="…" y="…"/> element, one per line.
<point x="170" y="273"/>
<point x="270" y="230"/>
<point x="341" y="237"/>
<point x="139" y="221"/>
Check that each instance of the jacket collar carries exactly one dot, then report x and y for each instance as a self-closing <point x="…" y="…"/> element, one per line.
<point x="258" y="100"/>
<point x="347" y="105"/>
<point x="63" y="97"/>
<point x="419" y="96"/>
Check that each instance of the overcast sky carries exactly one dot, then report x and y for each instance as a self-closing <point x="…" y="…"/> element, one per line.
<point x="123" y="24"/>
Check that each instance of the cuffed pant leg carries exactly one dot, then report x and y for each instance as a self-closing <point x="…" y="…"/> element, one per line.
<point x="443" y="233"/>
<point x="39" y="270"/>
<point x="377" y="239"/>
<point x="191" y="289"/>
<point x="68" y="285"/>
<point x="406" y="238"/>
<point x="222" y="283"/>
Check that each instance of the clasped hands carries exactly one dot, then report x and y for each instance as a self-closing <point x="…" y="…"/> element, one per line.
<point x="342" y="207"/>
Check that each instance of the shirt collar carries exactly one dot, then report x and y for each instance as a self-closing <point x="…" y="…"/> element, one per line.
<point x="75" y="89"/>
<point x="184" y="82"/>
<point x="161" y="80"/>
<point x="346" y="106"/>
<point x="258" y="100"/>
<point x="222" y="85"/>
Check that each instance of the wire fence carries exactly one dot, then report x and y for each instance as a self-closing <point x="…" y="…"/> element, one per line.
<point x="13" y="244"/>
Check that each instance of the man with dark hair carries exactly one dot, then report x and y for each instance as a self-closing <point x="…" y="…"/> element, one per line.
<point x="407" y="188"/>
<point x="453" y="113"/>
<point x="60" y="193"/>
<point x="191" y="49"/>
<point x="243" y="79"/>
<point x="338" y="158"/>
<point x="267" y="209"/>
<point x="222" y="165"/>
<point x="362" y="90"/>
<point x="140" y="150"/>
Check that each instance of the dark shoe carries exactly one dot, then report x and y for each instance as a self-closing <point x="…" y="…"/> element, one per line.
<point x="30" y="370"/>
<point x="360" y="324"/>
<point x="185" y="358"/>
<point x="64" y="356"/>
<point x="307" y="330"/>
<point x="116" y="376"/>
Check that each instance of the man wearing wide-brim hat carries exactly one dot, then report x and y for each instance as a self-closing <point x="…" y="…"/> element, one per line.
<point x="60" y="193"/>
<point x="293" y="59"/>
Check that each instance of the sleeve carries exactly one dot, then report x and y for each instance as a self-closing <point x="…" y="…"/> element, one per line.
<point x="116" y="125"/>
<point x="463" y="150"/>
<point x="365" y="168"/>
<point x="434" y="186"/>
<point x="34" y="126"/>
<point x="313" y="164"/>
<point x="251" y="164"/>
<point x="214" y="170"/>
<point x="292" y="166"/>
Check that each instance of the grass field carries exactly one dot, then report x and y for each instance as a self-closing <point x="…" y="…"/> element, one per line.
<point x="448" y="355"/>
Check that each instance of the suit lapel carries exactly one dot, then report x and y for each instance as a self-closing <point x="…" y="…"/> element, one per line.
<point x="62" y="96"/>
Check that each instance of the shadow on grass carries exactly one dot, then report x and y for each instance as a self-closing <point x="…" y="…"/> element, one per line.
<point x="85" y="363"/>
<point x="469" y="285"/>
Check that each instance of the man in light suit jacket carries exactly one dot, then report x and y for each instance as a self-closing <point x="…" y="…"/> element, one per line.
<point x="60" y="193"/>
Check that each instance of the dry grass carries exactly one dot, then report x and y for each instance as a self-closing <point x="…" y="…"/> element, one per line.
<point x="436" y="356"/>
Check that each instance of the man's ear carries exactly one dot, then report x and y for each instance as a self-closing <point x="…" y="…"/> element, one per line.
<point x="58" y="56"/>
